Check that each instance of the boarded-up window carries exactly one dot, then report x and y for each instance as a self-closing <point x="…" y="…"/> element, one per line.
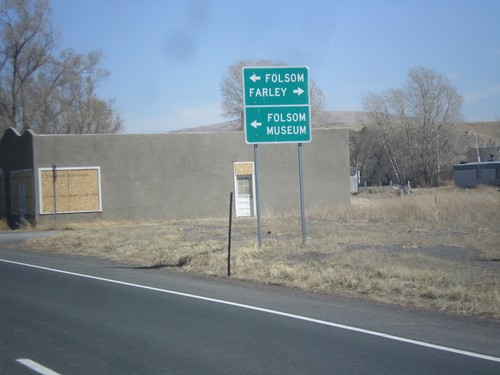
<point x="77" y="190"/>
<point x="243" y="168"/>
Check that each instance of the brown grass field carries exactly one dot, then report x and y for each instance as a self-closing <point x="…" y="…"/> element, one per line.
<point x="435" y="249"/>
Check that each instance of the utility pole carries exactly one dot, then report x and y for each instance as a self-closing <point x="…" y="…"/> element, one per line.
<point x="477" y="148"/>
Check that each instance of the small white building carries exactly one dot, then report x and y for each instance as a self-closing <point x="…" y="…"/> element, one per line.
<point x="354" y="179"/>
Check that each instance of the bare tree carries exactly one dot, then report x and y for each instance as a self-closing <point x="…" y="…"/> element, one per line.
<point x="367" y="154"/>
<point x="417" y="125"/>
<point x="27" y="42"/>
<point x="317" y="100"/>
<point x="436" y="106"/>
<point x="39" y="91"/>
<point x="73" y="104"/>
<point x="389" y="133"/>
<point x="232" y="90"/>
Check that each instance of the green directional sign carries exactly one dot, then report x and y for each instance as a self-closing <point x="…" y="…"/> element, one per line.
<point x="276" y="86"/>
<point x="276" y="104"/>
<point x="286" y="124"/>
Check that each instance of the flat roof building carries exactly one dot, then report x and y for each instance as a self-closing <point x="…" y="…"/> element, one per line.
<point x="473" y="174"/>
<point x="164" y="176"/>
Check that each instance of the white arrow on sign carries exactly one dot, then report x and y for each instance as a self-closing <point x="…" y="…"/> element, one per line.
<point x="298" y="91"/>
<point x="255" y="124"/>
<point x="255" y="78"/>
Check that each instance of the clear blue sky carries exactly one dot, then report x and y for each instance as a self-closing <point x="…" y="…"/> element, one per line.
<point x="167" y="57"/>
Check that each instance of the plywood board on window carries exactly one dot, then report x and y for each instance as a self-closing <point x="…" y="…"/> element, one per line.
<point x="243" y="168"/>
<point x="77" y="190"/>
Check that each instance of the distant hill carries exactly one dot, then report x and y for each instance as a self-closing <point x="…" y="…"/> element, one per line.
<point x="341" y="119"/>
<point x="327" y="119"/>
<point x="227" y="126"/>
<point x="488" y="132"/>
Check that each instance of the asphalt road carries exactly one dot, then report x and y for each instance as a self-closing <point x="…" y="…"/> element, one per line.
<point x="74" y="315"/>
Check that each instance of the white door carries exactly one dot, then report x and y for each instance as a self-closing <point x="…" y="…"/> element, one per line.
<point x="244" y="202"/>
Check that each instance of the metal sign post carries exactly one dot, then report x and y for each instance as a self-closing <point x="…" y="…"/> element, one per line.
<point x="257" y="192"/>
<point x="54" y="180"/>
<point x="302" y="207"/>
<point x="229" y="234"/>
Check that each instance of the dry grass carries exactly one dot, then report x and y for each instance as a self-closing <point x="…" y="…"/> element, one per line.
<point x="3" y="225"/>
<point x="435" y="248"/>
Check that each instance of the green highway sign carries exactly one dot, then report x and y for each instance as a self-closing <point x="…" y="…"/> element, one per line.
<point x="276" y="86"/>
<point x="276" y="101"/>
<point x="286" y="124"/>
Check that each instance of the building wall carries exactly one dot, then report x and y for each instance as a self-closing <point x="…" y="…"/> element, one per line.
<point x="473" y="174"/>
<point x="486" y="153"/>
<point x="2" y="194"/>
<point x="190" y="175"/>
<point x="465" y="178"/>
<point x="16" y="163"/>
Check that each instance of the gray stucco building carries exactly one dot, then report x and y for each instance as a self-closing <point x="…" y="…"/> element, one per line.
<point x="164" y="176"/>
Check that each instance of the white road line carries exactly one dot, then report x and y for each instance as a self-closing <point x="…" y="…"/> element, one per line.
<point x="274" y="312"/>
<point x="32" y="365"/>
